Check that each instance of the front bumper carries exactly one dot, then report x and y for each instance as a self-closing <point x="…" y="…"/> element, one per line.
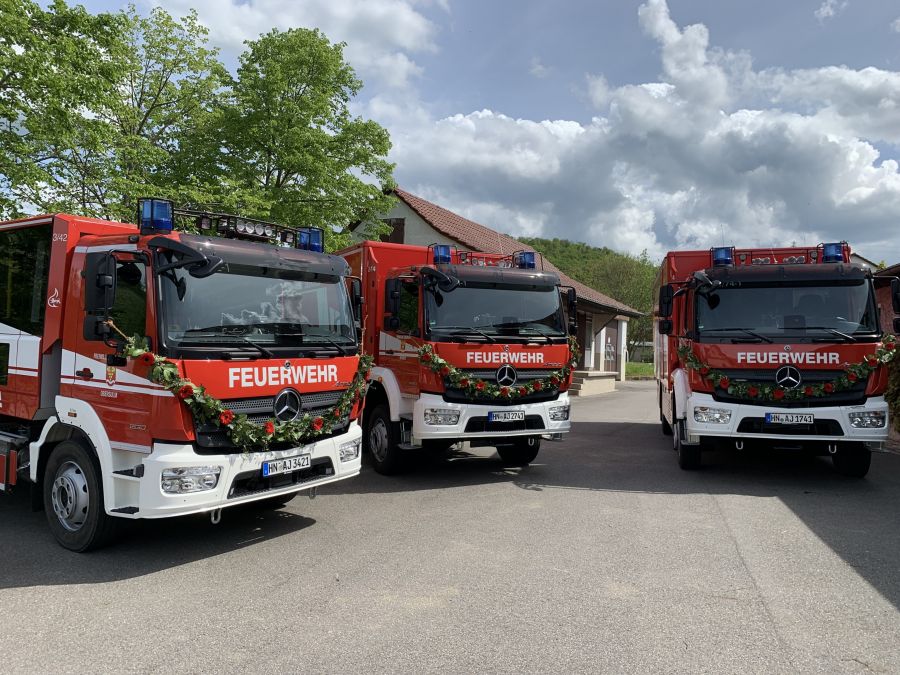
<point x="473" y="422"/>
<point x="832" y="423"/>
<point x="152" y="502"/>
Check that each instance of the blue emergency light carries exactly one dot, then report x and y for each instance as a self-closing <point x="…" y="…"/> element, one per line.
<point x="155" y="215"/>
<point x="832" y="253"/>
<point x="723" y="256"/>
<point x="525" y="260"/>
<point x="316" y="240"/>
<point x="441" y="253"/>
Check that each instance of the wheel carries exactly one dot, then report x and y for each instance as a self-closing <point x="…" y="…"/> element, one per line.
<point x="666" y="427"/>
<point x="73" y="498"/>
<point x="688" y="453"/>
<point x="382" y="439"/>
<point x="852" y="461"/>
<point x="522" y="451"/>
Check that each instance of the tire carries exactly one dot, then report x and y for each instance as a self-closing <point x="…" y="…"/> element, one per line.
<point x="666" y="427"/>
<point x="852" y="461"/>
<point x="73" y="498"/>
<point x="521" y="452"/>
<point x="382" y="441"/>
<point x="688" y="453"/>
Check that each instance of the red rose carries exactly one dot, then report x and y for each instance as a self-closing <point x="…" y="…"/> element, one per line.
<point x="778" y="394"/>
<point x="704" y="370"/>
<point x="147" y="359"/>
<point x="828" y="387"/>
<point x="554" y="380"/>
<point x="852" y="377"/>
<point x="724" y="382"/>
<point x="872" y="361"/>
<point x="752" y="392"/>
<point x="890" y="346"/>
<point x="464" y="383"/>
<point x="479" y="385"/>
<point x="269" y="428"/>
<point x="445" y="371"/>
<point x="338" y="413"/>
<point x="186" y="391"/>
<point x="537" y="385"/>
<point x="226" y="417"/>
<point x="426" y="356"/>
<point x="522" y="391"/>
<point x="317" y="423"/>
<point x="808" y="391"/>
<point x="504" y="391"/>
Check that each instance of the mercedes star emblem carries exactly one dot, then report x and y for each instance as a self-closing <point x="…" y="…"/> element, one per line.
<point x="506" y="375"/>
<point x="287" y="405"/>
<point x="788" y="377"/>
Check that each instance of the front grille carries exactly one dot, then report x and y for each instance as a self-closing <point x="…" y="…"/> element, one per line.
<point x="757" y="425"/>
<point x="766" y="377"/>
<point x="481" y="424"/>
<point x="525" y="374"/>
<point x="253" y="482"/>
<point x="453" y="395"/>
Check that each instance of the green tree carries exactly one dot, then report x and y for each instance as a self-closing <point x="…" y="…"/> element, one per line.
<point x="292" y="148"/>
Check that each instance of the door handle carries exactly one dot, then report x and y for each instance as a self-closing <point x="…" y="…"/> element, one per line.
<point x="85" y="374"/>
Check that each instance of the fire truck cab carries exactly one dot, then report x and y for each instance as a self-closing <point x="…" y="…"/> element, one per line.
<point x="267" y="329"/>
<point x="467" y="347"/>
<point x="782" y="347"/>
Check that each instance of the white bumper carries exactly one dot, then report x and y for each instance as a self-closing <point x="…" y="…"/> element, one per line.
<point x="477" y="414"/>
<point x="152" y="502"/>
<point x="740" y="412"/>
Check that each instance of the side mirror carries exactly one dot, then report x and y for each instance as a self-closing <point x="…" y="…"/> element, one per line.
<point x="665" y="327"/>
<point x="666" y="296"/>
<point x="573" y="329"/>
<point x="572" y="301"/>
<point x="357" y="297"/>
<point x="99" y="282"/>
<point x="392" y="303"/>
<point x="895" y="296"/>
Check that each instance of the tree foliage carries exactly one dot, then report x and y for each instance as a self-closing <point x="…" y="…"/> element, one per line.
<point x="624" y="277"/>
<point x="98" y="110"/>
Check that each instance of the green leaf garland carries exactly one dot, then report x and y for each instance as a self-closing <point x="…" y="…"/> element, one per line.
<point x="852" y="374"/>
<point x="477" y="388"/>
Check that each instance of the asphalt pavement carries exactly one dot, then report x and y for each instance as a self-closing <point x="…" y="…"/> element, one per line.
<point x="602" y="556"/>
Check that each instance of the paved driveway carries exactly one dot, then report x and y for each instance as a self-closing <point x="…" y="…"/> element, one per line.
<point x="603" y="556"/>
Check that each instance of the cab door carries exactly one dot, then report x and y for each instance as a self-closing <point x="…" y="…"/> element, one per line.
<point x="401" y="337"/>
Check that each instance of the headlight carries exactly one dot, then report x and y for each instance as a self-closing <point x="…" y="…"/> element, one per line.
<point x="875" y="419"/>
<point x="559" y="413"/>
<point x="349" y="450"/>
<point x="181" y="480"/>
<point x="441" y="416"/>
<point x="712" y="415"/>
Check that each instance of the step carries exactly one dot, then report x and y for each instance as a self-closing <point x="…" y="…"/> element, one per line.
<point x="590" y="382"/>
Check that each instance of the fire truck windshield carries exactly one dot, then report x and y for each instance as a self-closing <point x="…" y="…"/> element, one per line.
<point x="767" y="312"/>
<point x="489" y="310"/>
<point x="275" y="312"/>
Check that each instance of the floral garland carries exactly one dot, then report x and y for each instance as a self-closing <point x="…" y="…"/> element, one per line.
<point x="478" y="388"/>
<point x="853" y="373"/>
<point x="241" y="431"/>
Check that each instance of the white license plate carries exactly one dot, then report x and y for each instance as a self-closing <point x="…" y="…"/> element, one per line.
<point x="286" y="465"/>
<point x="507" y="416"/>
<point x="789" y="418"/>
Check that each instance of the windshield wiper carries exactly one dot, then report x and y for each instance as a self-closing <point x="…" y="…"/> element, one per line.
<point x="262" y="350"/>
<point x="343" y="349"/>
<point x="463" y="330"/>
<point x="758" y="336"/>
<point x="833" y="331"/>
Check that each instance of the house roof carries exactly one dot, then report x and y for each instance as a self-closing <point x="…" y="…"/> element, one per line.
<point x="477" y="237"/>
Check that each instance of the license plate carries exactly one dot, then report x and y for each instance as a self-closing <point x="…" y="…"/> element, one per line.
<point x="789" y="418"/>
<point x="507" y="416"/>
<point x="286" y="465"/>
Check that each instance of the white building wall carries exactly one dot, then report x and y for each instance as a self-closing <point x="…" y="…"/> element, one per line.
<point x="416" y="230"/>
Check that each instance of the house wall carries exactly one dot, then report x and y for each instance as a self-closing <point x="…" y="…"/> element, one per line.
<point x="416" y="230"/>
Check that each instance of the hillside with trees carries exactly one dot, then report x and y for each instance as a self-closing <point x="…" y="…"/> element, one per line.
<point x="626" y="278"/>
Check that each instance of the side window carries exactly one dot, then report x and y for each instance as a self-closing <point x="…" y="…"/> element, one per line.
<point x="409" y="307"/>
<point x="4" y="362"/>
<point x="24" y="263"/>
<point x="130" y="308"/>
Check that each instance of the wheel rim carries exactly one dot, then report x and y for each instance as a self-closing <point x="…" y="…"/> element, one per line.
<point x="70" y="496"/>
<point x="378" y="440"/>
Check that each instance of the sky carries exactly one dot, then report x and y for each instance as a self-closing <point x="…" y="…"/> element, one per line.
<point x="641" y="125"/>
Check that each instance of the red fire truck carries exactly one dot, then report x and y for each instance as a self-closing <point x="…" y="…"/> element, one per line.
<point x="780" y="346"/>
<point x="266" y="330"/>
<point x="467" y="347"/>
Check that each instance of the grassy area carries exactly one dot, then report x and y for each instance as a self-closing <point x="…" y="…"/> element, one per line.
<point x="633" y="369"/>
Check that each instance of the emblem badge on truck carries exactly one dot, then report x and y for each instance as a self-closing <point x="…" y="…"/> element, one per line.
<point x="788" y="377"/>
<point x="287" y="405"/>
<point x="506" y="375"/>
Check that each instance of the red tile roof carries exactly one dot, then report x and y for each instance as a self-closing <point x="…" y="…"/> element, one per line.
<point x="477" y="237"/>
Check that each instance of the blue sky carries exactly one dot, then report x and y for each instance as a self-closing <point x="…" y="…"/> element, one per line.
<point x="636" y="124"/>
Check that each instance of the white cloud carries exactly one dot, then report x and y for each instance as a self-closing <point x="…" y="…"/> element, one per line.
<point x="538" y="69"/>
<point x="895" y="25"/>
<point x="380" y="34"/>
<point x="829" y="9"/>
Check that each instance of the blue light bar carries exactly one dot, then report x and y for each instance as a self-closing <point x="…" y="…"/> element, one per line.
<point x="316" y="240"/>
<point x="155" y="215"/>
<point x="723" y="256"/>
<point x="441" y="254"/>
<point x="525" y="260"/>
<point x="832" y="253"/>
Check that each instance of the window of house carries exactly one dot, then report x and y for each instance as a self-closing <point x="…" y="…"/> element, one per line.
<point x="24" y="265"/>
<point x="409" y="307"/>
<point x="398" y="226"/>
